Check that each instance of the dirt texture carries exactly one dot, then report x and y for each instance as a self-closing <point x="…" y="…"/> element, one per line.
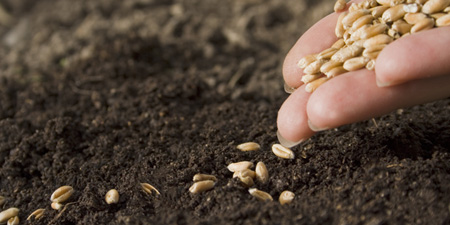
<point x="109" y="94"/>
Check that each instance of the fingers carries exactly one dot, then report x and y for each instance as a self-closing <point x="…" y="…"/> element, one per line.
<point x="355" y="97"/>
<point x="317" y="38"/>
<point x="292" y="121"/>
<point x="421" y="55"/>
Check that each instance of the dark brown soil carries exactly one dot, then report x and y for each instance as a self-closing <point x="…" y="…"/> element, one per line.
<point x="108" y="94"/>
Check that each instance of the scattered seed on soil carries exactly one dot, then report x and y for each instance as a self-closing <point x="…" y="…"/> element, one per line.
<point x="8" y="214"/>
<point x="239" y="166"/>
<point x="246" y="172"/>
<point x="249" y="146"/>
<point x="149" y="189"/>
<point x="112" y="196"/>
<point x="61" y="194"/>
<point x="13" y="221"/>
<point x="260" y="195"/>
<point x="201" y="177"/>
<point x="262" y="175"/>
<point x="246" y="181"/>
<point x="286" y="197"/>
<point x="38" y="213"/>
<point x="202" y="186"/>
<point x="282" y="152"/>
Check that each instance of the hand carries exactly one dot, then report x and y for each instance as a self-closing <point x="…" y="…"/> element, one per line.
<point x="411" y="70"/>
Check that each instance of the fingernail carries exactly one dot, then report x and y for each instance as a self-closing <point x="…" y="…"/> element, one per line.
<point x="314" y="128"/>
<point x="382" y="84"/>
<point x="288" y="89"/>
<point x="287" y="143"/>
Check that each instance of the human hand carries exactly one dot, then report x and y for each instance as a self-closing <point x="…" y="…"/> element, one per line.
<point x="411" y="70"/>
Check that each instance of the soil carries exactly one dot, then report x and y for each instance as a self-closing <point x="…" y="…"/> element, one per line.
<point x="109" y="94"/>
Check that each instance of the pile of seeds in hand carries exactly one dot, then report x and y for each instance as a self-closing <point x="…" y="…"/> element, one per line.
<point x="365" y="29"/>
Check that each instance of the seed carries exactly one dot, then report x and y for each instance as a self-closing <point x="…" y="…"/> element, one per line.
<point x="305" y="61"/>
<point x="327" y="53"/>
<point x="149" y="189"/>
<point x="245" y="173"/>
<point x="335" y="71"/>
<point x="355" y="63"/>
<point x="38" y="213"/>
<point x="260" y="195"/>
<point x="326" y="67"/>
<point x="361" y="21"/>
<point x="384" y="2"/>
<point x="349" y="19"/>
<point x="312" y="86"/>
<point x="13" y="221"/>
<point x="374" y="30"/>
<point x="371" y="65"/>
<point x="401" y="27"/>
<point x="56" y="205"/>
<point x="262" y="175"/>
<point x="286" y="197"/>
<point x="2" y="201"/>
<point x="378" y="11"/>
<point x="340" y="30"/>
<point x="374" y="48"/>
<point x="338" y="44"/>
<point x="424" y="24"/>
<point x="433" y="6"/>
<point x="443" y="21"/>
<point x="112" y="196"/>
<point x="201" y="177"/>
<point x="421" y="1"/>
<point x="201" y="186"/>
<point x="339" y="5"/>
<point x="314" y="67"/>
<point x="239" y="166"/>
<point x="378" y="40"/>
<point x="413" y="18"/>
<point x="437" y="15"/>
<point x="283" y="152"/>
<point x="5" y="215"/>
<point x="411" y="8"/>
<point x="368" y="4"/>
<point x="393" y="13"/>
<point x="61" y="194"/>
<point x="307" y="78"/>
<point x="355" y="7"/>
<point x="447" y="9"/>
<point x="397" y="2"/>
<point x="346" y="53"/>
<point x="394" y="34"/>
<point x="248" y="146"/>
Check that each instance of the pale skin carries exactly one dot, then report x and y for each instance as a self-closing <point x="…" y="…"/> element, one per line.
<point x="411" y="70"/>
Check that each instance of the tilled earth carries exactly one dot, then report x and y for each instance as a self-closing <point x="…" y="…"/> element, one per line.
<point x="108" y="94"/>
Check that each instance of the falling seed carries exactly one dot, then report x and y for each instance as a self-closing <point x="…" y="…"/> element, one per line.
<point x="260" y="195"/>
<point x="112" y="196"/>
<point x="8" y="214"/>
<point x="239" y="166"/>
<point x="249" y="146"/>
<point x="201" y="177"/>
<point x="202" y="186"/>
<point x="61" y="194"/>
<point x="282" y="152"/>
<point x="286" y="197"/>
<point x="38" y="213"/>
<point x="149" y="189"/>
<point x="262" y="175"/>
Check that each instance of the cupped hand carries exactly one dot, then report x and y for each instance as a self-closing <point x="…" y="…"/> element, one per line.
<point x="412" y="70"/>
